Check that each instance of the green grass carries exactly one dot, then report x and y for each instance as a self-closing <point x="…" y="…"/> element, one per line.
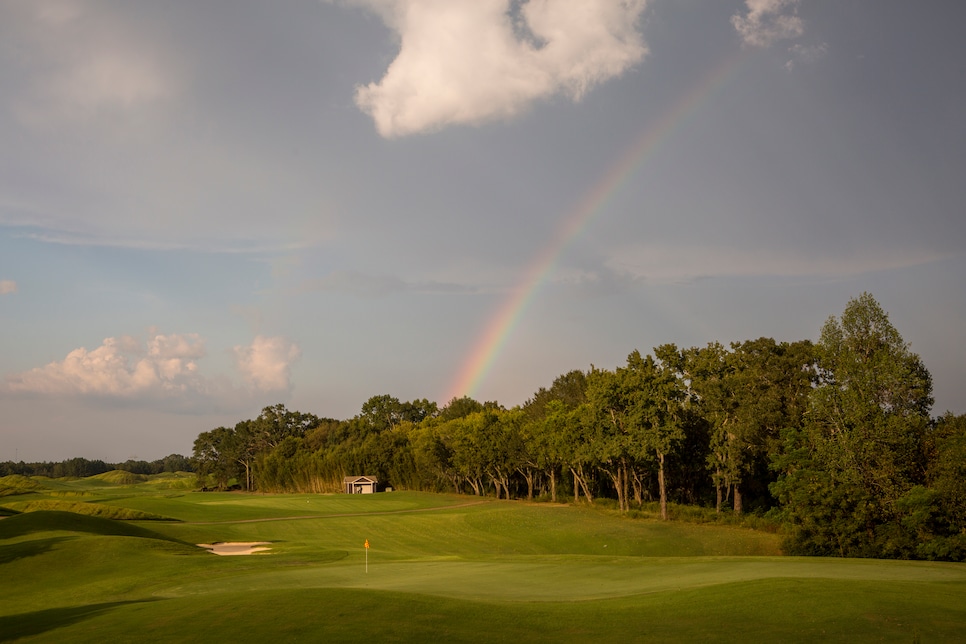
<point x="87" y="509"/>
<point x="17" y="484"/>
<point x="442" y="567"/>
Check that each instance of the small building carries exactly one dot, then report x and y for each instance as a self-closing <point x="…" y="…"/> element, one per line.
<point x="360" y="484"/>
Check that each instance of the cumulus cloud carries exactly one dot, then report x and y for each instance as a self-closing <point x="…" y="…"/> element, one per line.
<point x="163" y="370"/>
<point x="265" y="364"/>
<point x="121" y="367"/>
<point x="768" y="21"/>
<point x="472" y="61"/>
<point x="7" y="287"/>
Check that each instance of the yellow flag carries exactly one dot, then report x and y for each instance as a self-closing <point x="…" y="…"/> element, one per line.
<point x="367" y="544"/>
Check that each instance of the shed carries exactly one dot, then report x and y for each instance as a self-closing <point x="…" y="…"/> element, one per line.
<point x="360" y="484"/>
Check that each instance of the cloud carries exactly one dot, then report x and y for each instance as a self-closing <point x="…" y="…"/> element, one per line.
<point x="768" y="21"/>
<point x="121" y="368"/>
<point x="362" y="284"/>
<point x="805" y="54"/>
<point x="161" y="372"/>
<point x="205" y="245"/>
<point x="7" y="287"/>
<point x="265" y="363"/>
<point x="84" y="65"/>
<point x="669" y="264"/>
<point x="473" y="61"/>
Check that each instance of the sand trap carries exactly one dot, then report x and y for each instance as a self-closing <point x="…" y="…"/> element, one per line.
<point x="236" y="547"/>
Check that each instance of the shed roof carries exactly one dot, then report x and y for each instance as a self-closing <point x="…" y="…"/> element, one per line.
<point x="360" y="479"/>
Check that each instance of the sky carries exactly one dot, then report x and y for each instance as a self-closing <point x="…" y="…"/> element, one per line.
<point x="211" y="207"/>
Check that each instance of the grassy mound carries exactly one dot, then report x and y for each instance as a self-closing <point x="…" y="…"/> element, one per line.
<point x="18" y="484"/>
<point x="59" y="521"/>
<point x="120" y="477"/>
<point x="174" y="481"/>
<point x="85" y="509"/>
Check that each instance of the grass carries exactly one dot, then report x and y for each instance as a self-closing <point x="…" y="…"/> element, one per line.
<point x="444" y="567"/>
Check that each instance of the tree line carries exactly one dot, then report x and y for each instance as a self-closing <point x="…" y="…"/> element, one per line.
<point x="82" y="467"/>
<point x="833" y="438"/>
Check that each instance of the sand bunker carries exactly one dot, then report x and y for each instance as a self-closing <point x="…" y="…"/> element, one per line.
<point x="236" y="547"/>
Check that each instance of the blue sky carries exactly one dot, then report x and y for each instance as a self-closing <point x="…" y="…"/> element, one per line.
<point x="207" y="208"/>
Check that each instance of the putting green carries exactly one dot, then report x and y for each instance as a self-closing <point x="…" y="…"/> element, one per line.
<point x="570" y="578"/>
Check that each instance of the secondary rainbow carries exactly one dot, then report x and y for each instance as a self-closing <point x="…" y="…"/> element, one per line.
<point x="476" y="366"/>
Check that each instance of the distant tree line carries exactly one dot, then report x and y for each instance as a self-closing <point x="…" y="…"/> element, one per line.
<point x="82" y="467"/>
<point x="834" y="439"/>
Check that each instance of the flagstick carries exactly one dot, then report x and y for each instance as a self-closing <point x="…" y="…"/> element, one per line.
<point x="367" y="561"/>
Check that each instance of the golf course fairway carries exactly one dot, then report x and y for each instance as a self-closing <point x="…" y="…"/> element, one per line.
<point x="439" y="567"/>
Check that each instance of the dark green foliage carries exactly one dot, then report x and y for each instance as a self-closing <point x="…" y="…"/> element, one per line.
<point x="853" y="476"/>
<point x="82" y="468"/>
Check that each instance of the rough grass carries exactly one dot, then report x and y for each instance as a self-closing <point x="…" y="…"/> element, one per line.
<point x="60" y="521"/>
<point x="17" y="484"/>
<point x="439" y="569"/>
<point x="120" y="477"/>
<point x="86" y="509"/>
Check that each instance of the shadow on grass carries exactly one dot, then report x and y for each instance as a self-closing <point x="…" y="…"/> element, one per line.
<point x="57" y="520"/>
<point x="33" y="548"/>
<point x="14" y="627"/>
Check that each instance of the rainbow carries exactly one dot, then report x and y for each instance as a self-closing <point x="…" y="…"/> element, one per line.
<point x="486" y="349"/>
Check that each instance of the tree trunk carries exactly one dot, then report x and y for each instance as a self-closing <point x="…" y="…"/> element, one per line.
<point x="553" y="486"/>
<point x="717" y="490"/>
<point x="528" y="475"/>
<point x="638" y="486"/>
<point x="475" y="485"/>
<point x="662" y="488"/>
<point x="618" y="477"/>
<point x="738" y="508"/>
<point x="582" y="479"/>
<point x="626" y="488"/>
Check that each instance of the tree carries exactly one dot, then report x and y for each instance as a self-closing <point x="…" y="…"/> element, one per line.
<point x="708" y="371"/>
<point x="215" y="453"/>
<point x="860" y="450"/>
<point x="638" y="415"/>
<point x="382" y="412"/>
<point x="609" y="396"/>
<point x="549" y="415"/>
<point x="460" y="408"/>
<point x="661" y="411"/>
<point x="941" y="518"/>
<point x="748" y="394"/>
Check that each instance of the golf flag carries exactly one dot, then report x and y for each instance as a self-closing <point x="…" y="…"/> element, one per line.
<point x="367" y="544"/>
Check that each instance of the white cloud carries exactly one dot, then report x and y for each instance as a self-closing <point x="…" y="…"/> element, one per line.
<point x="265" y="363"/>
<point x="161" y="372"/>
<point x="472" y="61"/>
<point x="805" y="54"/>
<point x="667" y="264"/>
<point x="121" y="368"/>
<point x="768" y="21"/>
<point x="7" y="287"/>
